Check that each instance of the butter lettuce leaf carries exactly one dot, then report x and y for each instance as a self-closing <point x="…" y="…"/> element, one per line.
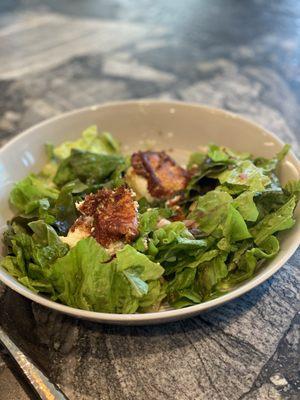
<point x="186" y="298"/>
<point x="33" y="193"/>
<point x="151" y="301"/>
<point x="246" y="261"/>
<point x="267" y="249"/>
<point x="88" y="167"/>
<point x="270" y="201"/>
<point x="173" y="246"/>
<point x="235" y="227"/>
<point x="88" y="278"/>
<point x="90" y="141"/>
<point x="276" y="221"/>
<point x="210" y="210"/>
<point x="215" y="214"/>
<point x="31" y="252"/>
<point x="84" y="277"/>
<point x="129" y="258"/>
<point x="270" y="164"/>
<point x="46" y="245"/>
<point x="232" y="209"/>
<point x="210" y="274"/>
<point x="246" y="206"/>
<point x="217" y="154"/>
<point x="181" y="289"/>
<point x="37" y="286"/>
<point x="10" y="264"/>
<point x="245" y="270"/>
<point x="196" y="159"/>
<point x="246" y="175"/>
<point x="148" y="221"/>
<point x="293" y="188"/>
<point x="182" y="280"/>
<point x="170" y="233"/>
<point x="174" y="242"/>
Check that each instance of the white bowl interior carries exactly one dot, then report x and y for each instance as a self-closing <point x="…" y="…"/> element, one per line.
<point x="178" y="127"/>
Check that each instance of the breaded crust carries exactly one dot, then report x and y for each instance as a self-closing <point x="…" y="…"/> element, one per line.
<point x="165" y="178"/>
<point x="85" y="224"/>
<point x="114" y="213"/>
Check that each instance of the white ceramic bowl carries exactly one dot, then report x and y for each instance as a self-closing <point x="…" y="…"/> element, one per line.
<point x="165" y="125"/>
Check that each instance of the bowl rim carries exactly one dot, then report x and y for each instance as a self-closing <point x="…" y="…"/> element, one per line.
<point x="159" y="316"/>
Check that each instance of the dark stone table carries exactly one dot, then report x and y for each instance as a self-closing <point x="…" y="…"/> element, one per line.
<point x="56" y="55"/>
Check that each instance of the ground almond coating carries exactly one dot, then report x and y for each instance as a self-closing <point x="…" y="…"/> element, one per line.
<point x="114" y="213"/>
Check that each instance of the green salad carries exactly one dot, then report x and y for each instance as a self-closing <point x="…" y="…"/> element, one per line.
<point x="103" y="231"/>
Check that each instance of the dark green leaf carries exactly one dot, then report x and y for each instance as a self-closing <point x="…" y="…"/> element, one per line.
<point x="88" y="167"/>
<point x="211" y="273"/>
<point x="64" y="210"/>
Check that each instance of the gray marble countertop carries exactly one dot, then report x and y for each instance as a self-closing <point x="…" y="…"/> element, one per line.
<point x="57" y="55"/>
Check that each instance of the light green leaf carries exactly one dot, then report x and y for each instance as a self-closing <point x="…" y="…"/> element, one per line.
<point x="270" y="164"/>
<point x="182" y="280"/>
<point x="210" y="210"/>
<point x="84" y="277"/>
<point x="246" y="269"/>
<point x="31" y="193"/>
<point x="87" y="278"/>
<point x="235" y="228"/>
<point x="151" y="301"/>
<point x="139" y="287"/>
<point x="267" y="249"/>
<point x="245" y="205"/>
<point x="211" y="273"/>
<point x="169" y="233"/>
<point x="148" y="221"/>
<point x="196" y="159"/>
<point x="128" y="257"/>
<point x="247" y="175"/>
<point x="46" y="245"/>
<point x="217" y="154"/>
<point x="276" y="221"/>
<point x="10" y="263"/>
<point x="186" y="298"/>
<point x="90" y="141"/>
<point x="293" y="188"/>
<point x="36" y="285"/>
<point x="207" y="256"/>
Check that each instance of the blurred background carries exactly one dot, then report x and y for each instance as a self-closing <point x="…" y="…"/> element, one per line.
<point x="244" y="56"/>
<point x="57" y="55"/>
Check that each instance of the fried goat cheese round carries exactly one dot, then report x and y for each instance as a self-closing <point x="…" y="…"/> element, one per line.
<point x="155" y="175"/>
<point x="110" y="216"/>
